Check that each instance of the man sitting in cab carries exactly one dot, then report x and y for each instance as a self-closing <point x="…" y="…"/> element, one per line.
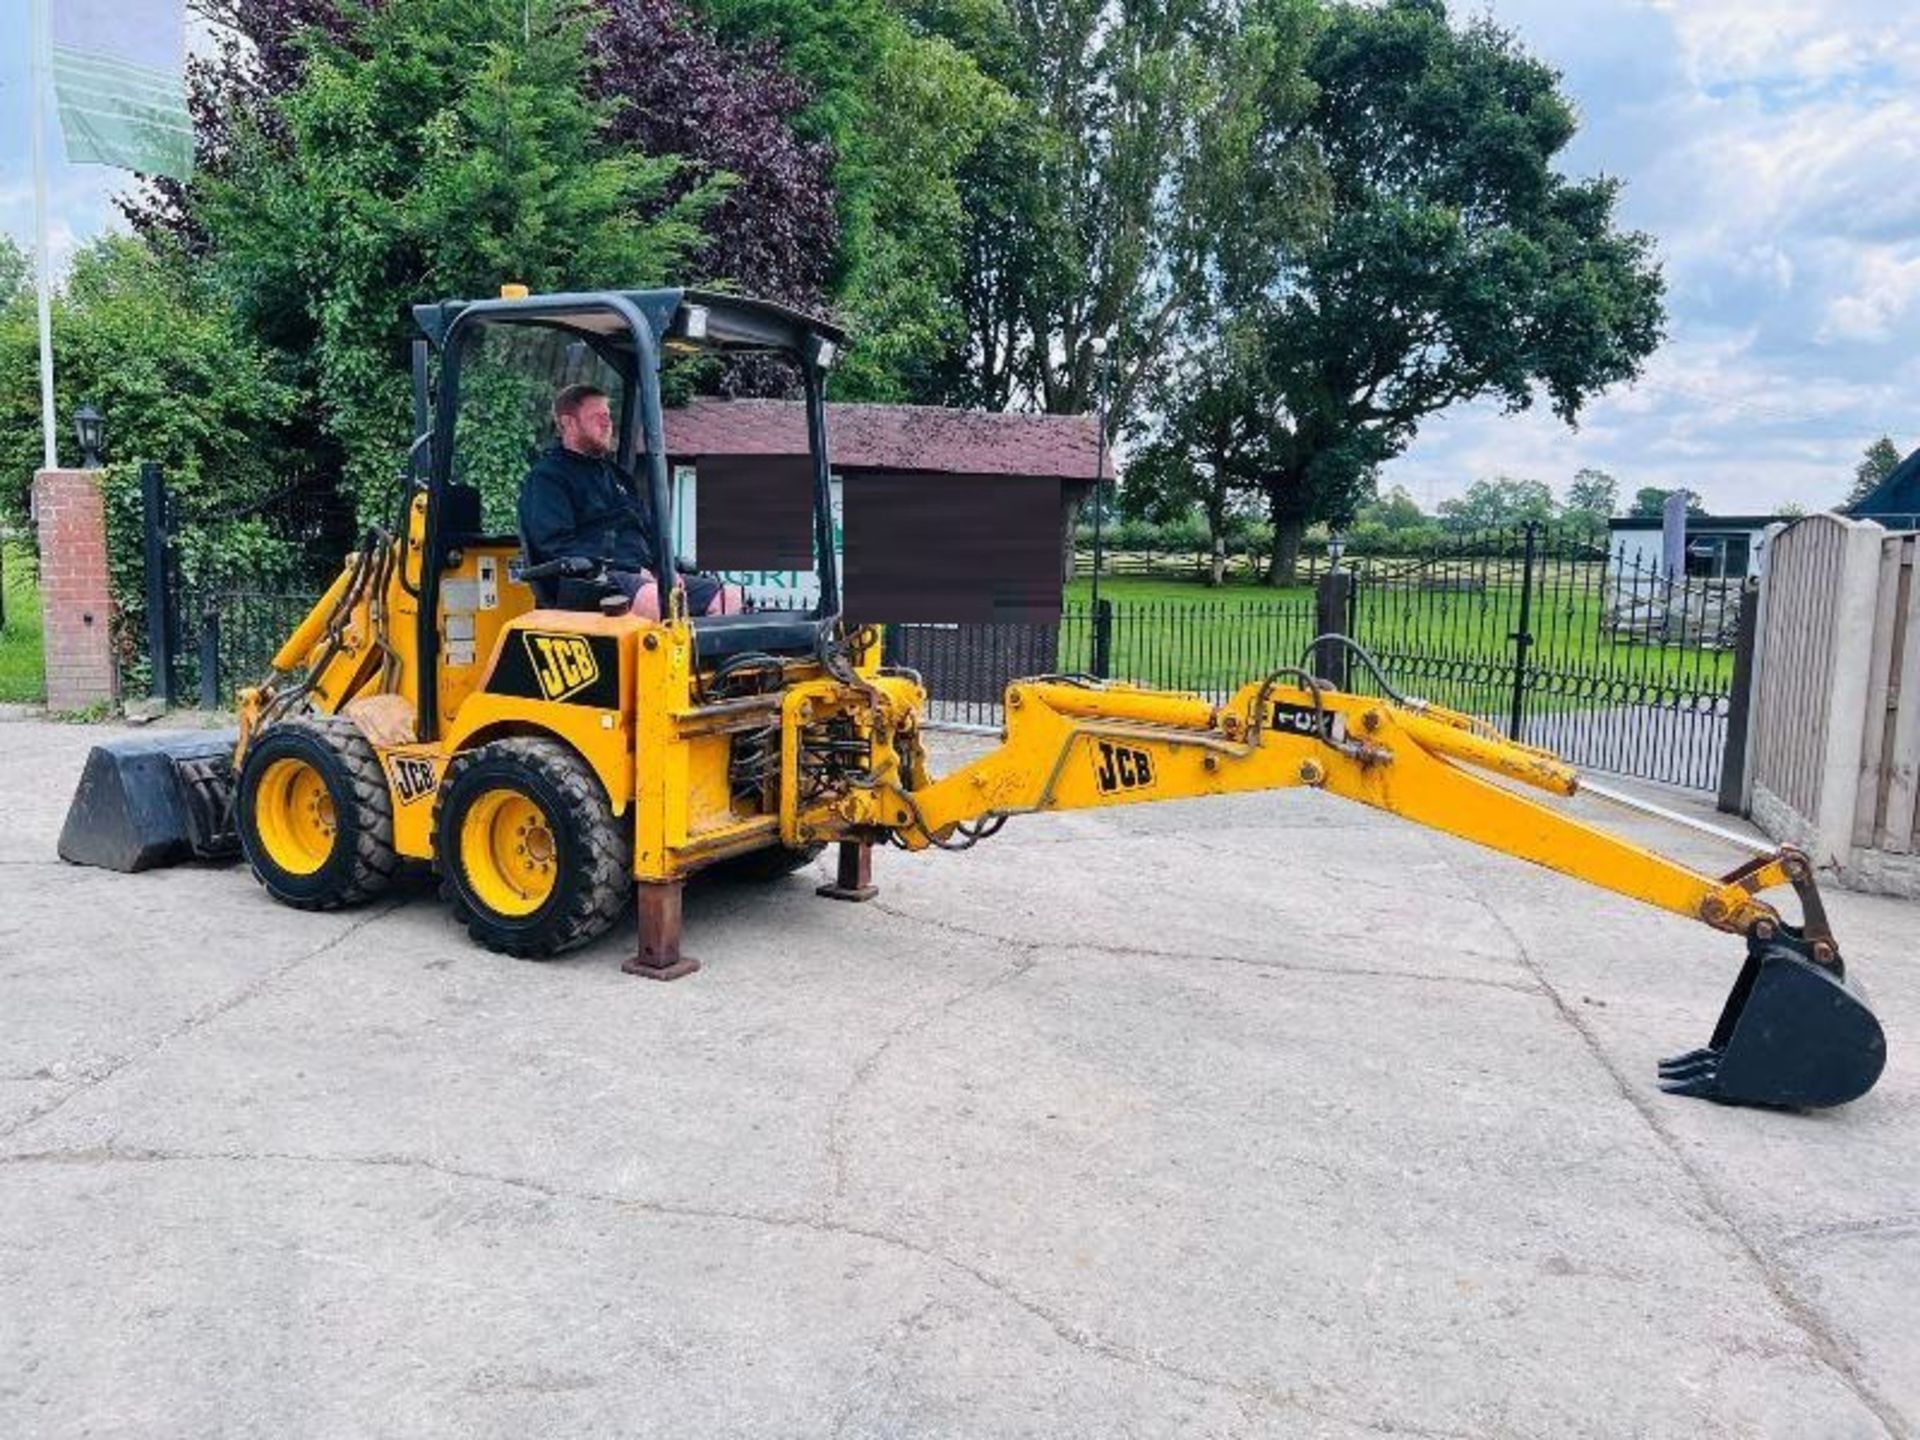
<point x="576" y="501"/>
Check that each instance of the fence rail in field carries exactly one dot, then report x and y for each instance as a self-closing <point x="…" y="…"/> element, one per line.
<point x="1606" y="659"/>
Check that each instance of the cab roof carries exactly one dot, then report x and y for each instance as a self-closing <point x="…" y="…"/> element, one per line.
<point x="732" y="323"/>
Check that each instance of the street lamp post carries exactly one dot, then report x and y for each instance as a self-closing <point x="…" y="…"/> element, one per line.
<point x="1101" y="628"/>
<point x="1099" y="347"/>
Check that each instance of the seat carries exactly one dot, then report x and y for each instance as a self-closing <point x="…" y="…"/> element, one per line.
<point x="716" y="637"/>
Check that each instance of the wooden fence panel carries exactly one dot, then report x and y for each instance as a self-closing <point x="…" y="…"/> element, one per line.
<point x="1887" y="801"/>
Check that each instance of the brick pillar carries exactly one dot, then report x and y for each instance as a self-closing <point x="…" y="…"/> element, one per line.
<point x="74" y="601"/>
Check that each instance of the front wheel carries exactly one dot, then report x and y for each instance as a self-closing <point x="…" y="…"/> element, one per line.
<point x="533" y="857"/>
<point x="314" y="814"/>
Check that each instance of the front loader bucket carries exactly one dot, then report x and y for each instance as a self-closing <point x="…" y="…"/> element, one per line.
<point x="1794" y="1033"/>
<point x="154" y="800"/>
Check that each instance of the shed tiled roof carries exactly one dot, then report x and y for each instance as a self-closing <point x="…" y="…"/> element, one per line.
<point x="894" y="437"/>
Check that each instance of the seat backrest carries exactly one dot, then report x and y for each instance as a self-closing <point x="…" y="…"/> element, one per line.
<point x="460" y="513"/>
<point x="546" y="591"/>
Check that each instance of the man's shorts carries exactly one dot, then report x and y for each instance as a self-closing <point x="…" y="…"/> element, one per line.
<point x="703" y="590"/>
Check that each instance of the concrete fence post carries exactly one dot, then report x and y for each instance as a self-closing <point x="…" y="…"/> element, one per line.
<point x="76" y="605"/>
<point x="1855" y="599"/>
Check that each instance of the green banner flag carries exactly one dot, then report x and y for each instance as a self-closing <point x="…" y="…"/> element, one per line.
<point x="117" y="75"/>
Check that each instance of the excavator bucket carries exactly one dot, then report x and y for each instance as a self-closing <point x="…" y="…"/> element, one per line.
<point x="1794" y="1034"/>
<point x="154" y="800"/>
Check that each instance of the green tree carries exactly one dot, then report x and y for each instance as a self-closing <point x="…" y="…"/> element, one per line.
<point x="15" y="270"/>
<point x="906" y="111"/>
<point x="1881" y="460"/>
<point x="1650" y="503"/>
<point x="1592" y="496"/>
<point x="1191" y="461"/>
<point x="151" y="341"/>
<point x="1102" y="217"/>
<point x="439" y="147"/>
<point x="1498" y="503"/>
<point x="1395" y="512"/>
<point x="1454" y="261"/>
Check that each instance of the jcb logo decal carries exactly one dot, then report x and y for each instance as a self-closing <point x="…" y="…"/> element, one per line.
<point x="563" y="664"/>
<point x="412" y="777"/>
<point x="1120" y="767"/>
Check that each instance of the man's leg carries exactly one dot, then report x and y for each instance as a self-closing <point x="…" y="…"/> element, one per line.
<point x="707" y="595"/>
<point x="643" y="592"/>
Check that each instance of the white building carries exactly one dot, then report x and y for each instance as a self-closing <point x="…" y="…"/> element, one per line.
<point x="1719" y="547"/>
<point x="1700" y="605"/>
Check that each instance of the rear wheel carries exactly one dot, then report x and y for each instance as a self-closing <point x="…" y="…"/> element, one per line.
<point x="532" y="855"/>
<point x="314" y="814"/>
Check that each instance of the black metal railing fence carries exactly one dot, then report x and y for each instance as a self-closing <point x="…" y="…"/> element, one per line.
<point x="1599" y="654"/>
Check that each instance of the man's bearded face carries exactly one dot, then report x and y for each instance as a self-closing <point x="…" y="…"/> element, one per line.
<point x="589" y="430"/>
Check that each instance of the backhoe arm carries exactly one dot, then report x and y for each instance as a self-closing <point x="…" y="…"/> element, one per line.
<point x="1793" y="1033"/>
<point x="1072" y="746"/>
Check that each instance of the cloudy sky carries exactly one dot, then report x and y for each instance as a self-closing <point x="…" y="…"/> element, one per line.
<point x="1771" y="147"/>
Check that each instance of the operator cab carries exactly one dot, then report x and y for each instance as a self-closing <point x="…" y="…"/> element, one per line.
<point x="500" y="363"/>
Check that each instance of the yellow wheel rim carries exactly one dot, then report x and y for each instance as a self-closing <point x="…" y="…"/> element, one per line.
<point x="508" y="853"/>
<point x="293" y="812"/>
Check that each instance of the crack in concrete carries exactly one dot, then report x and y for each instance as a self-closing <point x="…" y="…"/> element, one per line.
<point x="1076" y="1336"/>
<point x="912" y="1025"/>
<point x="204" y="1016"/>
<point x="1307" y="967"/>
<point x="1799" y="1312"/>
<point x="1304" y="967"/>
<point x="882" y="1358"/>
<point x="1889" y="1226"/>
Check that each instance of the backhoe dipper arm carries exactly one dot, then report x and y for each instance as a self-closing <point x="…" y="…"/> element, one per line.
<point x="1072" y="746"/>
<point x="1793" y="1032"/>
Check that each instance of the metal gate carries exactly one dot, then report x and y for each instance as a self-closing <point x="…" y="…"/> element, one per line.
<point x="1590" y="650"/>
<point x="203" y="636"/>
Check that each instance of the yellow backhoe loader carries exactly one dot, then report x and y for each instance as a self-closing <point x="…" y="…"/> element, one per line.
<point x="448" y="702"/>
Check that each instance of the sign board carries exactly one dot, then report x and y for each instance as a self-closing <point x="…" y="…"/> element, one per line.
<point x="764" y="589"/>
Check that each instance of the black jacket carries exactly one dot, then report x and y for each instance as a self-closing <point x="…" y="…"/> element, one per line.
<point x="573" y="505"/>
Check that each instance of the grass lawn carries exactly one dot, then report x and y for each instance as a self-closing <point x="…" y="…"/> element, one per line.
<point x="22" y="677"/>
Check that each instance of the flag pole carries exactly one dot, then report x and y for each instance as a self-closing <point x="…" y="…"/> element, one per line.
<point x="36" y="43"/>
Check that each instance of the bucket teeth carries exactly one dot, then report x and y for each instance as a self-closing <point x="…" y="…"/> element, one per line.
<point x="1692" y="1060"/>
<point x="1702" y="1084"/>
<point x="1706" y="1070"/>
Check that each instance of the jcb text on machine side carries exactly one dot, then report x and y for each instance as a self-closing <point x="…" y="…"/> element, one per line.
<point x="448" y="702"/>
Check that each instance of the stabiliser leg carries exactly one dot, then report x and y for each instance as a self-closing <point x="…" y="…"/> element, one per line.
<point x="658" y="956"/>
<point x="853" y="879"/>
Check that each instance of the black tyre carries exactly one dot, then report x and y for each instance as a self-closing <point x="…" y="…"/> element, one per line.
<point x="314" y="814"/>
<point x="776" y="862"/>
<point x="530" y="852"/>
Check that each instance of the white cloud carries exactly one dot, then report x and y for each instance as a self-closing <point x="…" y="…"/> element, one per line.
<point x="1886" y="290"/>
<point x="79" y="207"/>
<point x="1769" y="147"/>
<point x="1736" y="42"/>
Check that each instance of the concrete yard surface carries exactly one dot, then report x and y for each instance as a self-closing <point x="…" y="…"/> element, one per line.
<point x="1269" y="1116"/>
